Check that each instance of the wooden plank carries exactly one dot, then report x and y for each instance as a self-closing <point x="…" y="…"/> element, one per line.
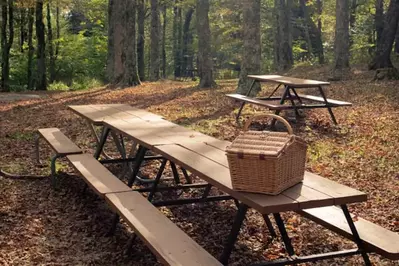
<point x="259" y="102"/>
<point x="140" y="113"/>
<point x="58" y="141"/>
<point x="307" y="197"/>
<point x="207" y="151"/>
<point x="320" y="99"/>
<point x="89" y="113"/>
<point x="96" y="175"/>
<point x="168" y="242"/>
<point x="342" y="194"/>
<point x="294" y="82"/>
<point x="219" y="176"/>
<point x="376" y="238"/>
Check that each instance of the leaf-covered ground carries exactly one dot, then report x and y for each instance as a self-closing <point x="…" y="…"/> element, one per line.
<point x="40" y="226"/>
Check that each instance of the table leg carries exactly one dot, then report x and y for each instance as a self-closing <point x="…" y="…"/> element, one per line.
<point x="327" y="105"/>
<point x="139" y="159"/>
<point x="100" y="146"/>
<point x="157" y="179"/>
<point x="284" y="234"/>
<point x="292" y="102"/>
<point x="235" y="230"/>
<point x="355" y="234"/>
<point x="282" y="101"/>
<point x="269" y="225"/>
<point x="175" y="173"/>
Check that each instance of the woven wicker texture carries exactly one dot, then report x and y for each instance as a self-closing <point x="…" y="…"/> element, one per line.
<point x="266" y="162"/>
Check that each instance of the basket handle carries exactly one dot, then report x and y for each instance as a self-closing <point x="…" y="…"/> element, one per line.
<point x="279" y="118"/>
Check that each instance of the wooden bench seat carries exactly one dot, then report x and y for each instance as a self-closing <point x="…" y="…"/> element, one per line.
<point x="268" y="104"/>
<point x="97" y="176"/>
<point x="168" y="242"/>
<point x="376" y="238"/>
<point x="320" y="99"/>
<point x="60" y="143"/>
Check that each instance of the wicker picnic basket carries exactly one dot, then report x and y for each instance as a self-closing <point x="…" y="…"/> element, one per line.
<point x="264" y="161"/>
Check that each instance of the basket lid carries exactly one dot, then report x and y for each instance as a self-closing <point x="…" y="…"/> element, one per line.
<point x="261" y="143"/>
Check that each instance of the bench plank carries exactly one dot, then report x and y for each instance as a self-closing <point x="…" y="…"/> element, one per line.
<point x="259" y="102"/>
<point x="376" y="238"/>
<point x="61" y="144"/>
<point x="168" y="242"/>
<point x="99" y="178"/>
<point x="320" y="99"/>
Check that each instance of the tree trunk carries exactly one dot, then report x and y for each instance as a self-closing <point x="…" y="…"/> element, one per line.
<point x="129" y="57"/>
<point x="164" y="14"/>
<point x="57" y="45"/>
<point x="319" y="46"/>
<point x="7" y="43"/>
<point x="22" y="29"/>
<point x="116" y="32"/>
<point x="285" y="58"/>
<point x="187" y="42"/>
<point x="396" y="48"/>
<point x="352" y="21"/>
<point x="31" y="48"/>
<point x="155" y="62"/>
<point x="382" y="58"/>
<point x="50" y="44"/>
<point x="205" y="68"/>
<point x="306" y="27"/>
<point x="379" y="19"/>
<point x="111" y="42"/>
<point x="251" y="53"/>
<point x="41" y="82"/>
<point x="341" y="45"/>
<point x="141" y="38"/>
<point x="176" y="40"/>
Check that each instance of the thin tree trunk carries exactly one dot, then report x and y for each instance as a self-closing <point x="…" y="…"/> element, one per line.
<point x="379" y="19"/>
<point x="276" y="43"/>
<point x="6" y="42"/>
<point x="116" y="38"/>
<point x="382" y="58"/>
<point x="164" y="14"/>
<point x="111" y="42"/>
<point x="396" y="48"/>
<point x="205" y="68"/>
<point x="306" y="26"/>
<point x="141" y="38"/>
<point x="131" y="76"/>
<point x="341" y="45"/>
<point x="251" y="54"/>
<point x="22" y="29"/>
<point x="41" y="83"/>
<point x="320" y="48"/>
<point x="155" y="62"/>
<point x="285" y="57"/>
<point x="352" y="20"/>
<point x="57" y="45"/>
<point x="50" y="44"/>
<point x="176" y="40"/>
<point x="187" y="41"/>
<point x="31" y="48"/>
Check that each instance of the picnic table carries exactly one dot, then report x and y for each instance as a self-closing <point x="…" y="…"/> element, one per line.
<point x="289" y="94"/>
<point x="204" y="156"/>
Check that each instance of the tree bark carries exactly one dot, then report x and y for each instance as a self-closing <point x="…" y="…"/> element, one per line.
<point x="341" y="45"/>
<point x="57" y="18"/>
<point x="141" y="39"/>
<point x="155" y="62"/>
<point x="41" y="82"/>
<point x="187" y="42"/>
<point x="396" y="48"/>
<point x="205" y="68"/>
<point x="111" y="43"/>
<point x="320" y="48"/>
<point x="6" y="42"/>
<point x="382" y="58"/>
<point x="50" y="44"/>
<point x="131" y="76"/>
<point x="31" y="48"/>
<point x="22" y="29"/>
<point x="352" y="20"/>
<point x="306" y="27"/>
<point x="379" y="19"/>
<point x="163" y="49"/>
<point x="176" y="39"/>
<point x="284" y="58"/>
<point x="251" y="53"/>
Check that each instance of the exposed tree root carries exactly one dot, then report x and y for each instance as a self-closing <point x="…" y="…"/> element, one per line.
<point x="15" y="176"/>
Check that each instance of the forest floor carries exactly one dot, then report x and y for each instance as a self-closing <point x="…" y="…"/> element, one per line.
<point x="40" y="226"/>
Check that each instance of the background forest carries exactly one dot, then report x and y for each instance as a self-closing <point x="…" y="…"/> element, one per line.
<point x="75" y="44"/>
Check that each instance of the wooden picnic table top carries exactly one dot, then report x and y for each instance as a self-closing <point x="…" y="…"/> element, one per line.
<point x="205" y="157"/>
<point x="293" y="82"/>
